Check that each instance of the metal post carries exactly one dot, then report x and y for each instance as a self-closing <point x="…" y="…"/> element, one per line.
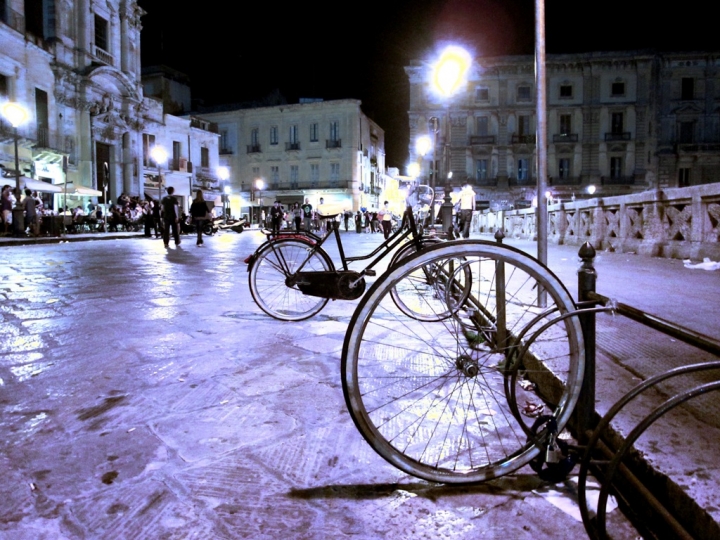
<point x="501" y="322"/>
<point x="18" y="217"/>
<point x="585" y="408"/>
<point x="541" y="137"/>
<point x="434" y="127"/>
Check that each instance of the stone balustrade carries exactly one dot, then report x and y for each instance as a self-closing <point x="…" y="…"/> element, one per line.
<point x="670" y="222"/>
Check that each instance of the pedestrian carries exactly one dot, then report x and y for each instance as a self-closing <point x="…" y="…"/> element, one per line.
<point x="199" y="213"/>
<point x="385" y="216"/>
<point x="368" y="217"/>
<point x="307" y="210"/>
<point x="374" y="222"/>
<point x="276" y="215"/>
<point x="6" y="207"/>
<point x="467" y="206"/>
<point x="170" y="210"/>
<point x="30" y="212"/>
<point x="298" y="216"/>
<point x="263" y="219"/>
<point x="346" y="218"/>
<point x="147" y="210"/>
<point x="358" y="222"/>
<point x="322" y="225"/>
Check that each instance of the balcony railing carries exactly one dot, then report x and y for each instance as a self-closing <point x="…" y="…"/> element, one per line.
<point x="618" y="136"/>
<point x="522" y="181"/>
<point x="225" y="151"/>
<point x="292" y="146"/>
<point x="564" y="181"/>
<point x="565" y="137"/>
<point x="481" y="139"/>
<point x="310" y="184"/>
<point x="617" y="180"/>
<point x="333" y="143"/>
<point x="523" y="139"/>
<point x="104" y="56"/>
<point x="485" y="182"/>
<point x="47" y="139"/>
<point x="253" y="149"/>
<point x="698" y="148"/>
<point x="12" y="18"/>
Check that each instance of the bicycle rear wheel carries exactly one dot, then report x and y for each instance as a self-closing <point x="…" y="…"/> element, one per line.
<point x="270" y="270"/>
<point x="428" y="395"/>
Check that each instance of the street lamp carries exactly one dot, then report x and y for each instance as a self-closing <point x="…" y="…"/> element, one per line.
<point x="159" y="156"/>
<point x="224" y="173"/>
<point x="17" y="115"/>
<point x="448" y="77"/>
<point x="259" y="185"/>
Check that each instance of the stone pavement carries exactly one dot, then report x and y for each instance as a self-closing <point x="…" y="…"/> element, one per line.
<point x="144" y="395"/>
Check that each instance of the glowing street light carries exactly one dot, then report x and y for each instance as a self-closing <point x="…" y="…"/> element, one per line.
<point x="159" y="155"/>
<point x="17" y="115"/>
<point x="423" y="145"/>
<point x="414" y="170"/>
<point x="591" y="189"/>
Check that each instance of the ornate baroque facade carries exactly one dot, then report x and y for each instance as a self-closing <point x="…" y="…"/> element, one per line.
<point x="75" y="66"/>
<point x="315" y="149"/>
<point x="622" y="122"/>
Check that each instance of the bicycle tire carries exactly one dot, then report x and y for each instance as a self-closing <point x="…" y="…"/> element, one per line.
<point x="268" y="274"/>
<point x="410" y="387"/>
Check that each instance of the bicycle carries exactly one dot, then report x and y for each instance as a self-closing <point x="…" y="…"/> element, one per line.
<point x="292" y="277"/>
<point x="436" y="395"/>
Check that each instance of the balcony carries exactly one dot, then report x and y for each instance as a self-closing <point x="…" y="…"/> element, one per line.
<point x="12" y="18"/>
<point x="617" y="180"/>
<point x="227" y="151"/>
<point x="104" y="56"/>
<point x="475" y="140"/>
<point x="205" y="125"/>
<point x="311" y="184"/>
<point x="522" y="182"/>
<point x="564" y="181"/>
<point x="565" y="137"/>
<point x="522" y="139"/>
<point x="618" y="136"/>
<point x="333" y="143"/>
<point x="698" y="148"/>
<point x="292" y="146"/>
<point x="485" y="182"/>
<point x="253" y="149"/>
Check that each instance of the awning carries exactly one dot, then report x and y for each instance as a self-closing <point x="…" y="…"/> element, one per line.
<point x="72" y="189"/>
<point x="37" y="185"/>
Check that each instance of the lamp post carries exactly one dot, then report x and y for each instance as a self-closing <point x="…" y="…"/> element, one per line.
<point x="224" y="173"/>
<point x="16" y="115"/>
<point x="159" y="156"/>
<point x="259" y="185"/>
<point x="448" y="77"/>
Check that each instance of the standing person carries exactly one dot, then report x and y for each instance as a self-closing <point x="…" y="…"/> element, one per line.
<point x="276" y="215"/>
<point x="297" y="216"/>
<point x="346" y="217"/>
<point x="307" y="210"/>
<point x="31" y="217"/>
<point x="467" y="205"/>
<point x="147" y="211"/>
<point x="263" y="221"/>
<point x="321" y="220"/>
<point x="358" y="222"/>
<point x="6" y="207"/>
<point x="385" y="216"/>
<point x="199" y="211"/>
<point x="374" y="222"/>
<point x="170" y="211"/>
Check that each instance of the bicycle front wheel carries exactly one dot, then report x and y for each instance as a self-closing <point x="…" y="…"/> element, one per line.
<point x="273" y="265"/>
<point x="429" y="395"/>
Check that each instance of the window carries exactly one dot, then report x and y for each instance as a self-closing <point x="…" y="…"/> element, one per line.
<point x="564" y="168"/>
<point x="334" y="173"/>
<point x="314" y="174"/>
<point x="223" y="141"/>
<point x="313" y="132"/>
<point x="615" y="167"/>
<point x="523" y="125"/>
<point x="148" y="143"/>
<point x="566" y="91"/>
<point x="482" y="126"/>
<point x="176" y="156"/>
<point x="522" y="169"/>
<point x="4" y="87"/>
<point x="482" y="169"/>
<point x="616" y="123"/>
<point x="565" y="124"/>
<point x="255" y="136"/>
<point x="293" y="134"/>
<point x="101" y="33"/>
<point x="294" y="174"/>
<point x="617" y="89"/>
<point x="273" y="134"/>
<point x="683" y="177"/>
<point x="274" y="176"/>
<point x="334" y="131"/>
<point x="482" y="94"/>
<point x="686" y="130"/>
<point x="523" y="93"/>
<point x="204" y="157"/>
<point x="688" y="88"/>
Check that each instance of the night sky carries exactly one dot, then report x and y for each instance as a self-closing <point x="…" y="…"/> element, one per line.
<point x="243" y="51"/>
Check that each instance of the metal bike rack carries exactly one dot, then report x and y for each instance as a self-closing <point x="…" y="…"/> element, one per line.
<point x="605" y="457"/>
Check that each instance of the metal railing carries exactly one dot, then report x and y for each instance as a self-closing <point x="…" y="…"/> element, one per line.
<point x="481" y="139"/>
<point x="618" y="136"/>
<point x="253" y="148"/>
<point x="565" y="137"/>
<point x="522" y="139"/>
<point x="333" y="143"/>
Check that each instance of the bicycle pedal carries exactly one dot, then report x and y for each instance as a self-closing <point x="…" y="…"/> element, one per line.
<point x="370" y="273"/>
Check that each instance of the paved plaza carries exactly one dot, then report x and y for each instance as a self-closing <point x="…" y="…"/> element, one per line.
<point x="144" y="395"/>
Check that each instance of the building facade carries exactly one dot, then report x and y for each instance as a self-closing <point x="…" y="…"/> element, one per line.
<point x="75" y="67"/>
<point x="619" y="122"/>
<point x="313" y="150"/>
